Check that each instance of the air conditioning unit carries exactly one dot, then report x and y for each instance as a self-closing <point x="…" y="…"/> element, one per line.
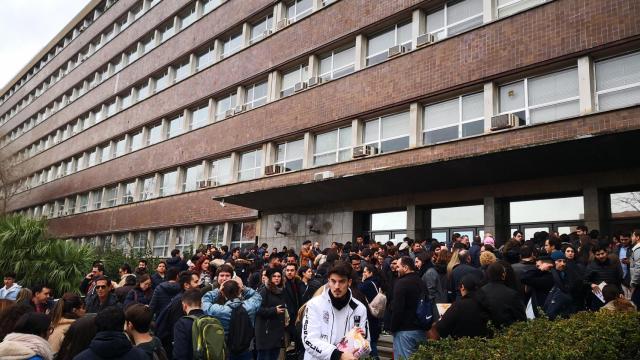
<point x="323" y="175"/>
<point x="228" y="113"/>
<point x="425" y="39"/>
<point x="273" y="169"/>
<point x="363" y="151"/>
<point x="300" y="86"/>
<point x="504" y="121"/>
<point x="267" y="32"/>
<point x="396" y="50"/>
<point x="282" y="24"/>
<point x="239" y="109"/>
<point x="203" y="184"/>
<point x="315" y="81"/>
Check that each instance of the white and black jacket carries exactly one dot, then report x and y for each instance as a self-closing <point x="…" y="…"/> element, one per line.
<point x="323" y="326"/>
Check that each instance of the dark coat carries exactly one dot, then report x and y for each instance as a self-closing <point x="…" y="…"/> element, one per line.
<point x="368" y="289"/>
<point x="122" y="292"/>
<point x="503" y="304"/>
<point x="162" y="296"/>
<point x="474" y="252"/>
<point x="538" y="284"/>
<point x="269" y="324"/>
<point x="406" y="293"/>
<point x="177" y="262"/>
<point x="156" y="280"/>
<point x="609" y="272"/>
<point x="292" y="296"/>
<point x="465" y="318"/>
<point x="182" y="341"/>
<point x="93" y="304"/>
<point x="111" y="345"/>
<point x="458" y="272"/>
<point x="307" y="290"/>
<point x="137" y="296"/>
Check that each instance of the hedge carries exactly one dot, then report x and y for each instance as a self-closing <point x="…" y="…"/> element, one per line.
<point x="586" y="335"/>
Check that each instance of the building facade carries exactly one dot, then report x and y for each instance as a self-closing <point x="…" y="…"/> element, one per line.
<point x="162" y="124"/>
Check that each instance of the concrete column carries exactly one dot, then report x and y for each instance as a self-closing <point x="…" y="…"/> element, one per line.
<point x="145" y="136"/>
<point x="490" y="104"/>
<point x="197" y="237"/>
<point x="136" y="189"/>
<point x="279" y="12"/>
<point x="594" y="208"/>
<point x="235" y="166"/>
<point x="361" y="52"/>
<point x="314" y="66"/>
<point x="274" y="85"/>
<point x="317" y="5"/>
<point x="496" y="219"/>
<point x="241" y="96"/>
<point x="489" y="12"/>
<point x="199" y="9"/>
<point x="227" y="233"/>
<point x="164" y="126"/>
<point x="211" y="112"/>
<point x="357" y="127"/>
<point x="418" y="26"/>
<point x="182" y="173"/>
<point x="586" y="85"/>
<point x="246" y="34"/>
<point x="217" y="50"/>
<point x="307" y="159"/>
<point x="173" y="234"/>
<point x="415" y="125"/>
<point x="193" y="64"/>
<point x="157" y="179"/>
<point x="186" y="120"/>
<point x="416" y="222"/>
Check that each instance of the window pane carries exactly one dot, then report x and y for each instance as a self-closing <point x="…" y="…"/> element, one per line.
<point x="136" y="141"/>
<point x="381" y="42"/>
<point x="472" y="106"/>
<point x="457" y="216"/>
<point x="442" y="114"/>
<point x="344" y="57"/>
<point x="168" y="184"/>
<point x="148" y="188"/>
<point x="221" y="171"/>
<point x="199" y="117"/>
<point x="616" y="72"/>
<point x="326" y="142"/>
<point x="512" y="96"/>
<point x="440" y="135"/>
<point x="121" y="149"/>
<point x="192" y="176"/>
<point x="569" y="208"/>
<point x="553" y="87"/>
<point x="389" y="221"/>
<point x="462" y="10"/>
<point x="625" y="205"/>
<point x="371" y="131"/>
<point x="554" y="112"/>
<point x="473" y="128"/>
<point x="404" y="34"/>
<point x="618" y="99"/>
<point x="435" y="21"/>
<point x="395" y="125"/>
<point x="155" y="134"/>
<point x="175" y="127"/>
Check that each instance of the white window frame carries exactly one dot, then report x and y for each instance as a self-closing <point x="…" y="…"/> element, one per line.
<point x="380" y="140"/>
<point x="158" y="235"/>
<point x="186" y="186"/>
<point x="180" y="121"/>
<point x="256" y="167"/>
<point x="219" y="235"/>
<point x="251" y="102"/>
<point x="395" y="40"/>
<point x="215" y="176"/>
<point x="147" y="194"/>
<point x="615" y="89"/>
<point x="335" y="151"/>
<point x="220" y="115"/>
<point x="459" y="123"/>
<point x="192" y="123"/>
<point x="113" y="201"/>
<point x="285" y="160"/>
<point x="297" y="16"/>
<point x="129" y="191"/>
<point x="184" y="242"/>
<point x="447" y="26"/>
<point x="227" y="50"/>
<point x="163" y="186"/>
<point x="268" y="23"/>
<point x="303" y="75"/>
<point x="333" y="70"/>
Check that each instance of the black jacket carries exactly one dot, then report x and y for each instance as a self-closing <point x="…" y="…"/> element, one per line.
<point x="292" y="296"/>
<point x="156" y="280"/>
<point x="177" y="262"/>
<point x="111" y="345"/>
<point x="503" y="304"/>
<point x="269" y="324"/>
<point x="137" y="296"/>
<point x="538" y="283"/>
<point x="465" y="318"/>
<point x="609" y="272"/>
<point x="182" y="343"/>
<point x="162" y="296"/>
<point x="307" y="290"/>
<point x="458" y="272"/>
<point x="93" y="304"/>
<point x="406" y="293"/>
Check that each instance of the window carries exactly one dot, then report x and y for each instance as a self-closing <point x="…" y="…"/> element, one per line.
<point x="256" y="95"/>
<point x="127" y="100"/>
<point x="292" y="77"/>
<point x="128" y="193"/>
<point x="243" y="235"/>
<point x="161" y="243"/>
<point x="186" y="239"/>
<point x="93" y="156"/>
<point x="168" y="183"/>
<point x="544" y="98"/>
<point x="457" y="216"/>
<point x="132" y="55"/>
<point x="191" y="177"/>
<point x="117" y="64"/>
<point x="84" y="203"/>
<point x="111" y="108"/>
<point x="148" y="44"/>
<point x="106" y="152"/>
<point x="80" y="162"/>
<point x="289" y="155"/>
<point x="454" y="18"/>
<point x="155" y="134"/>
<point x="121" y="147"/>
<point x="261" y="28"/>
<point x="71" y="205"/>
<point x="205" y="58"/>
<point x="162" y="80"/>
<point x="167" y="30"/>
<point x="97" y="115"/>
<point x="299" y="9"/>
<point x="388" y="133"/>
<point x="213" y="234"/>
<point x="199" y="117"/>
<point x="625" y="205"/>
<point x="143" y="91"/>
<point x="111" y="196"/>
<point x="61" y="207"/>
<point x="453" y="119"/>
<point x="510" y="7"/>
<point x="250" y="165"/>
<point x="568" y="208"/>
<point x="175" y="126"/>
<point x="187" y="17"/>
<point x="333" y="146"/>
<point x="338" y="63"/>
<point x="618" y="82"/>
<point x="70" y="169"/>
<point x="140" y="242"/>
<point x="224" y="104"/>
<point x="220" y="172"/>
<point x="136" y="141"/>
<point x="231" y="44"/>
<point x="378" y="46"/>
<point x="182" y="70"/>
<point x="122" y="242"/>
<point x="209" y="5"/>
<point x="96" y="199"/>
<point x="148" y="185"/>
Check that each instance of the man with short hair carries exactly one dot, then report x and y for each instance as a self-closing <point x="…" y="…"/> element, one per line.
<point x="40" y="298"/>
<point x="504" y="305"/>
<point x="407" y="290"/>
<point x="356" y="264"/>
<point x="182" y="330"/>
<point x="142" y="267"/>
<point x="517" y="235"/>
<point x="88" y="284"/>
<point x="292" y="298"/>
<point x="10" y="289"/>
<point x="110" y="341"/>
<point x="601" y="269"/>
<point x="165" y="291"/>
<point x="102" y="297"/>
<point x="551" y="244"/>
<point x="560" y="301"/>
<point x="137" y="325"/>
<point x="582" y="230"/>
<point x="462" y="269"/>
<point x="176" y="261"/>
<point x="330" y="316"/>
<point x="160" y="275"/>
<point x="306" y="254"/>
<point x="634" y="268"/>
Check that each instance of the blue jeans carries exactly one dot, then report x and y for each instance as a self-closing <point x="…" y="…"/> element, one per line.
<point x="268" y="354"/>
<point x="405" y="343"/>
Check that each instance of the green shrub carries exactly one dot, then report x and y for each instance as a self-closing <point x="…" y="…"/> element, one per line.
<point x="114" y="258"/>
<point x="585" y="335"/>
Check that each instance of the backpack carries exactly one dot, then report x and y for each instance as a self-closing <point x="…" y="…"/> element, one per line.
<point x="424" y="311"/>
<point x="240" y="331"/>
<point x="378" y="304"/>
<point x="207" y="336"/>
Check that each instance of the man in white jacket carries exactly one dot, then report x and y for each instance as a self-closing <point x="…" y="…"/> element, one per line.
<point x="10" y="289"/>
<point x="330" y="316"/>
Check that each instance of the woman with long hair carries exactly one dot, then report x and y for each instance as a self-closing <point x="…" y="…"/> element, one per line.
<point x="203" y="269"/>
<point x="142" y="293"/>
<point x="78" y="337"/>
<point x="423" y="262"/>
<point x="67" y="310"/>
<point x="28" y="339"/>
<point x="10" y="315"/>
<point x="271" y="317"/>
<point x="372" y="283"/>
<point x="435" y="278"/>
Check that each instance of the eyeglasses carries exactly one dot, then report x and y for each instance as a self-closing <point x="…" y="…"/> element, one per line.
<point x="101" y="286"/>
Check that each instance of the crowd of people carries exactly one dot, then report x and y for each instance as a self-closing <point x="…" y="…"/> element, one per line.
<point x="259" y="304"/>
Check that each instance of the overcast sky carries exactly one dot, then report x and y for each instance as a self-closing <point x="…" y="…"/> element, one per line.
<point x="26" y="26"/>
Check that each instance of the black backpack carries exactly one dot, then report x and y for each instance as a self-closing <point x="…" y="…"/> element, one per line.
<point x="240" y="331"/>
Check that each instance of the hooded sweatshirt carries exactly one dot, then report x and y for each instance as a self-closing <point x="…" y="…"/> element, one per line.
<point x="10" y="293"/>
<point x="111" y="345"/>
<point x="162" y="296"/>
<point x="17" y="346"/>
